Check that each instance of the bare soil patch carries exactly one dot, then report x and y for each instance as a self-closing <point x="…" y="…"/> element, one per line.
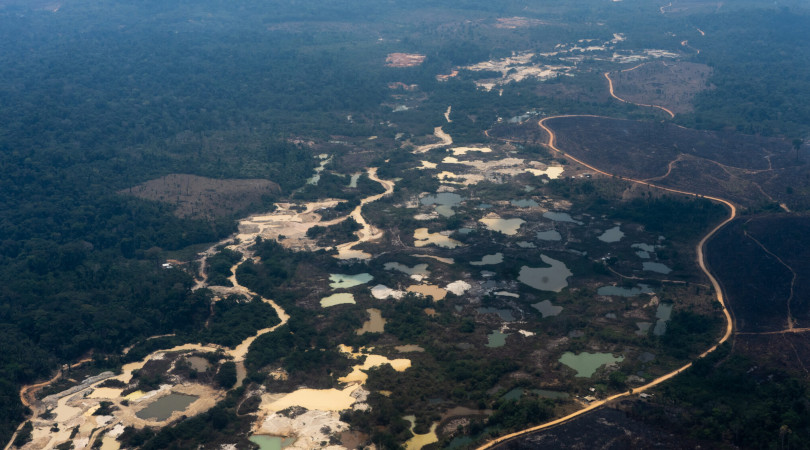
<point x="672" y="85"/>
<point x="404" y="59"/>
<point x="517" y="22"/>
<point x="201" y="197"/>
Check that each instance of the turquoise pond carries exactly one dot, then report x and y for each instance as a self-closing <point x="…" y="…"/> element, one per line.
<point x="587" y="363"/>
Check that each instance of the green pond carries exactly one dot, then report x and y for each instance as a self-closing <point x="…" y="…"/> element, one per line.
<point x="560" y="217"/>
<point x="586" y="363"/>
<point x="549" y="235"/>
<point x="614" y="234"/>
<point x="663" y="313"/>
<point x="445" y="202"/>
<point x="266" y="442"/>
<point x="644" y="247"/>
<point x="337" y="299"/>
<point x="623" y="291"/>
<point x="340" y="281"/>
<point x="552" y="278"/>
<point x="496" y="339"/>
<point x="547" y="309"/>
<point x="656" y="267"/>
<point x="643" y="328"/>
<point x="162" y="408"/>
<point x="525" y="203"/>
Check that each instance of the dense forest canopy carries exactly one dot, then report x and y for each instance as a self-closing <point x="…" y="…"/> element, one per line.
<point x="96" y="97"/>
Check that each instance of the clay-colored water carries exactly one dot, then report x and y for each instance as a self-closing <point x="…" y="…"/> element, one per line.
<point x="422" y="237"/>
<point x="508" y="227"/>
<point x="428" y="289"/>
<point x="374" y="324"/>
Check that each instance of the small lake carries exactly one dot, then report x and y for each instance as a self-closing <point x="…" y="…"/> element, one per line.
<point x="587" y="363"/>
<point x="198" y="363"/>
<point x="643" y="328"/>
<point x="642" y="254"/>
<point x="374" y="324"/>
<point x="338" y="299"/>
<point x="496" y="339"/>
<point x="266" y="442"/>
<point x="428" y="289"/>
<point x="419" y="269"/>
<point x="508" y="227"/>
<point x="552" y="278"/>
<point x="663" y="313"/>
<point x="550" y="235"/>
<point x="420" y="440"/>
<point x="614" y="234"/>
<point x="560" y="217"/>
<point x="162" y="408"/>
<point x="504" y="314"/>
<point x="656" y="267"/>
<point x="340" y="281"/>
<point x="524" y="203"/>
<point x="381" y="292"/>
<point x="623" y="291"/>
<point x="497" y="258"/>
<point x="644" y="247"/>
<point x="525" y="244"/>
<point x="547" y="309"/>
<point x="423" y="237"/>
<point x="445" y="201"/>
<point x="514" y="394"/>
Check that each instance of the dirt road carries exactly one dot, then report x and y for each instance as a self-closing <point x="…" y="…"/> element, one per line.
<point x="701" y="262"/>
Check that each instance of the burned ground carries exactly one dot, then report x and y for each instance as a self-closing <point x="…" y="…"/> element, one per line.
<point x="672" y="85"/>
<point x="749" y="170"/>
<point x="201" y="197"/>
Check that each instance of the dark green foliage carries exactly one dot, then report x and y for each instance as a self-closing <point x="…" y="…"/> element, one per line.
<point x="732" y="400"/>
<point x="673" y="217"/>
<point x="234" y="320"/>
<point x="218" y="267"/>
<point x="760" y="87"/>
<point x="24" y="435"/>
<point x="226" y="376"/>
<point x="512" y="414"/>
<point x="337" y="233"/>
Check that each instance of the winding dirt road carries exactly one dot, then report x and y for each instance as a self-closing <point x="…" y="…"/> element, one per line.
<point x="613" y="94"/>
<point x="701" y="262"/>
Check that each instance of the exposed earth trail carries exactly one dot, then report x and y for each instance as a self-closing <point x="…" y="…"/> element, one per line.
<point x="613" y="94"/>
<point x="701" y="259"/>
